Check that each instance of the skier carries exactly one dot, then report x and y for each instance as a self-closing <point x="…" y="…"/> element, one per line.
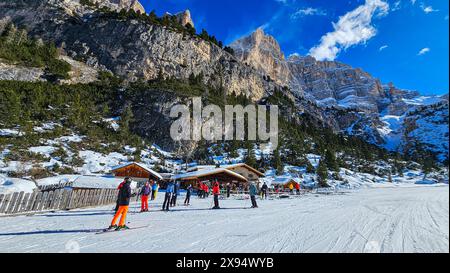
<point x="216" y="193"/>
<point x="176" y="188"/>
<point x="188" y="195"/>
<point x="228" y="190"/>
<point x="154" y="189"/>
<point x="124" y="202"/>
<point x="264" y="191"/>
<point x="253" y="192"/>
<point x="169" y="191"/>
<point x="291" y="188"/>
<point x="206" y="191"/>
<point x="145" y="193"/>
<point x="200" y="189"/>
<point x="297" y="188"/>
<point x="119" y="187"/>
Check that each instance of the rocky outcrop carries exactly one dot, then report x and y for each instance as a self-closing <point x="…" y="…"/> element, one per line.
<point x="185" y="18"/>
<point x="121" y="4"/>
<point x="263" y="52"/>
<point x="20" y="73"/>
<point x="334" y="82"/>
<point x="135" y="49"/>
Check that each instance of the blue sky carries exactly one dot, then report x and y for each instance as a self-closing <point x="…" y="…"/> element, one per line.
<point x="401" y="41"/>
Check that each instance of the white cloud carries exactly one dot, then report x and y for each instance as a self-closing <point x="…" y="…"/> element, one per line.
<point x="355" y="27"/>
<point x="427" y="9"/>
<point x="308" y="12"/>
<point x="396" y="6"/>
<point x="413" y="2"/>
<point x="423" y="51"/>
<point x="383" y="47"/>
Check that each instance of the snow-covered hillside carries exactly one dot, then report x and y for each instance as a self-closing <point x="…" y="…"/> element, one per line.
<point x="396" y="219"/>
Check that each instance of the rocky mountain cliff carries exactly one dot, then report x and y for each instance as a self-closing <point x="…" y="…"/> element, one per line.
<point x="336" y="95"/>
<point x="374" y="111"/>
<point x="133" y="48"/>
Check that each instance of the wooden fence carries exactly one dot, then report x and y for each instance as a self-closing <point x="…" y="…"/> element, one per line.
<point x="60" y="199"/>
<point x="54" y="187"/>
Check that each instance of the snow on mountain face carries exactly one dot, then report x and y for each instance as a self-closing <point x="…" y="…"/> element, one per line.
<point x="381" y="109"/>
<point x="429" y="126"/>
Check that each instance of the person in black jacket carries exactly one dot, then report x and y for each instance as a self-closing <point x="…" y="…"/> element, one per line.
<point x="124" y="202"/>
<point x="264" y="189"/>
<point x="228" y="190"/>
<point x="188" y="195"/>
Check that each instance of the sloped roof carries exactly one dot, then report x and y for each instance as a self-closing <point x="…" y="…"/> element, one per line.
<point x="284" y="180"/>
<point x="206" y="172"/>
<point x="232" y="166"/>
<point x="140" y="165"/>
<point x="98" y="182"/>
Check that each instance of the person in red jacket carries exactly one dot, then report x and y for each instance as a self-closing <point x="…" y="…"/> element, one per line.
<point x="205" y="191"/>
<point x="216" y="193"/>
<point x="297" y="188"/>
<point x="200" y="189"/>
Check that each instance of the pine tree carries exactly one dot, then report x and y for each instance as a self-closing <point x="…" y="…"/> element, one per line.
<point x="125" y="119"/>
<point x="330" y="160"/>
<point x="277" y="163"/>
<point x="309" y="167"/>
<point x="250" y="158"/>
<point x="322" y="174"/>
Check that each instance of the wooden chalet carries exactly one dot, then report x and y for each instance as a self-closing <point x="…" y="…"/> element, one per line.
<point x="210" y="175"/>
<point x="252" y="174"/>
<point x="136" y="171"/>
<point x="285" y="182"/>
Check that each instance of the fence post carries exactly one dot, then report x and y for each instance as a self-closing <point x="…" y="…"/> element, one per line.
<point x="37" y="201"/>
<point x="31" y="201"/>
<point x="64" y="200"/>
<point x="2" y="197"/>
<point x="56" y="199"/>
<point x="12" y="203"/>
<point x="23" y="205"/>
<point x="42" y="201"/>
<point x="6" y="200"/>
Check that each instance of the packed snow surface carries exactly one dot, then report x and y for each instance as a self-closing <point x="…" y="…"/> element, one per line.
<point x="10" y="185"/>
<point x="407" y="218"/>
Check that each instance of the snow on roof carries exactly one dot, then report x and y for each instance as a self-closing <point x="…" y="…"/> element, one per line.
<point x="284" y="180"/>
<point x="55" y="180"/>
<point x="232" y="166"/>
<point x="140" y="165"/>
<point x="98" y="182"/>
<point x="206" y="172"/>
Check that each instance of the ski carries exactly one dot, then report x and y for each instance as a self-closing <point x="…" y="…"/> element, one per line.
<point x="113" y="230"/>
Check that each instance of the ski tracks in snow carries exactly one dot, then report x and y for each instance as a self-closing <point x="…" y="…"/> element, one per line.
<point x="409" y="219"/>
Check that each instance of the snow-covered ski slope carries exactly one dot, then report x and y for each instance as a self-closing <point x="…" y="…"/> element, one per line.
<point x="399" y="219"/>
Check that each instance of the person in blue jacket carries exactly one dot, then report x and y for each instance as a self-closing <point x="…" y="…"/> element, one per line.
<point x="253" y="192"/>
<point x="154" y="189"/>
<point x="168" y="196"/>
<point x="176" y="190"/>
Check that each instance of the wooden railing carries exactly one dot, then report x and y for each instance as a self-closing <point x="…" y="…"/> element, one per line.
<point x="59" y="199"/>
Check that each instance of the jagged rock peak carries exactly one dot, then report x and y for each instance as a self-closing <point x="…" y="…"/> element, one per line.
<point x="183" y="17"/>
<point x="261" y="41"/>
<point x="121" y="4"/>
<point x="74" y="5"/>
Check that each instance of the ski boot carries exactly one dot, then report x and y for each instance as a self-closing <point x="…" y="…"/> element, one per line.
<point x="112" y="227"/>
<point x="122" y="228"/>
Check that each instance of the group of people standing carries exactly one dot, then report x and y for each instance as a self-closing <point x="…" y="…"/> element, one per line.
<point x="149" y="192"/>
<point x="203" y="190"/>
